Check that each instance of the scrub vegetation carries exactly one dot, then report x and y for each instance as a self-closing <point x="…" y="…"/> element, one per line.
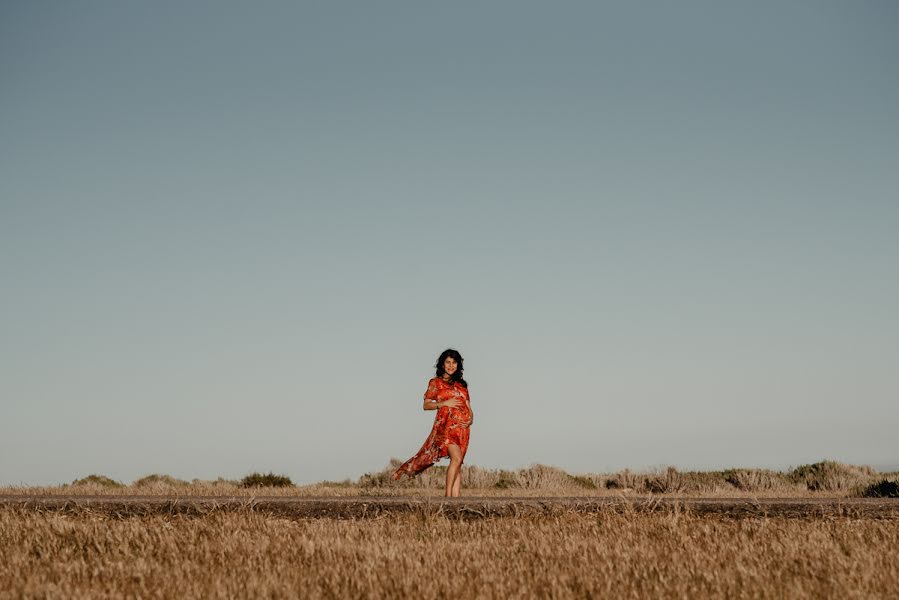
<point x="265" y="480"/>
<point x="825" y="478"/>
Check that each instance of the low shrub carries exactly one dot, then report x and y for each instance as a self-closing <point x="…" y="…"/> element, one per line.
<point x="756" y="480"/>
<point x="703" y="481"/>
<point x="538" y="476"/>
<point x="624" y="480"/>
<point x="219" y="482"/>
<point x="669" y="482"/>
<point x="505" y="480"/>
<point x="831" y="476"/>
<point x="582" y="481"/>
<point x="882" y="489"/>
<point x="101" y="480"/>
<point x="341" y="484"/>
<point x="382" y="478"/>
<point x="265" y="480"/>
<point x="159" y="480"/>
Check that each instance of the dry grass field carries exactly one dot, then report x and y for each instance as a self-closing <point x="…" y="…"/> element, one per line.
<point x="637" y="540"/>
<point x="614" y="554"/>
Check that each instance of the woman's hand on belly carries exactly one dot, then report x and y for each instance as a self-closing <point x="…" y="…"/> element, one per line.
<point x="452" y="403"/>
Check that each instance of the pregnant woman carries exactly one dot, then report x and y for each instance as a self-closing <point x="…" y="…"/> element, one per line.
<point x="447" y="393"/>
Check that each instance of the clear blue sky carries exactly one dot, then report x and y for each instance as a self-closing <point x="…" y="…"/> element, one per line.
<point x="236" y="236"/>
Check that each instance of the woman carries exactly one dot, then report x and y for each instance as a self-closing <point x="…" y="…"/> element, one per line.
<point x="447" y="393"/>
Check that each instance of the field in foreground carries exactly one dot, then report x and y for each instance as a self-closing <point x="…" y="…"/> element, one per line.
<point x="472" y="507"/>
<point x="425" y="554"/>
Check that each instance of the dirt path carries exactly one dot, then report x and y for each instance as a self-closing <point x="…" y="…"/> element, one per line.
<point x="466" y="506"/>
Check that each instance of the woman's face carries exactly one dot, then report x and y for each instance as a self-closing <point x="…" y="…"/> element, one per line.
<point x="449" y="365"/>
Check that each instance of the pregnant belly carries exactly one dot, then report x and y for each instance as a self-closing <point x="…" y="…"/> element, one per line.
<point x="460" y="414"/>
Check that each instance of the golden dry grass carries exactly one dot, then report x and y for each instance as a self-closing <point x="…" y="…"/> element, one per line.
<point x="227" y="554"/>
<point x="317" y="490"/>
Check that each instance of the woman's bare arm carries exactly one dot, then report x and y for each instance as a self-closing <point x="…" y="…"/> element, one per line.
<point x="434" y="405"/>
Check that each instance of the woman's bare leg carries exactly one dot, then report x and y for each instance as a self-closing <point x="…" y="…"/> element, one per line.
<point x="455" y="464"/>
<point x="457" y="484"/>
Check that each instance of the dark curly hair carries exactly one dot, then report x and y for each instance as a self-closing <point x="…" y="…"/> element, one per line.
<point x="457" y="376"/>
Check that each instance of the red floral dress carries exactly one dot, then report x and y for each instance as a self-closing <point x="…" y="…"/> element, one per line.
<point x="449" y="427"/>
